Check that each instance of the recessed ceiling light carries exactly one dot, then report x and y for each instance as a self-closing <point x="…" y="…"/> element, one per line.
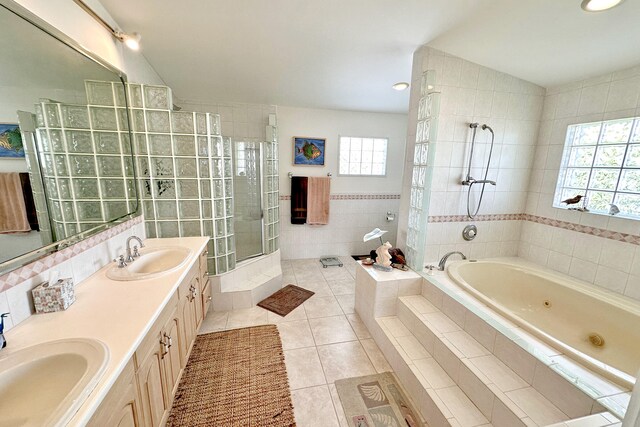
<point x="599" y="5"/>
<point x="401" y="86"/>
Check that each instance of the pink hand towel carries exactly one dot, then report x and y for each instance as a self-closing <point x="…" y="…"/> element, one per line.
<point x="13" y="213"/>
<point x="318" y="193"/>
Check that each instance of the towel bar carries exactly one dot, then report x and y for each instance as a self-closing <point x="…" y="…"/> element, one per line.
<point x="290" y="175"/>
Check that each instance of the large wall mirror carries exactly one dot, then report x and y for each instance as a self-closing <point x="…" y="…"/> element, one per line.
<point x="66" y="168"/>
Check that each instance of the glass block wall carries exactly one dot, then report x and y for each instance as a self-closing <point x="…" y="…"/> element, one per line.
<point x="428" y="109"/>
<point x="85" y="159"/>
<point x="271" y="187"/>
<point x="186" y="173"/>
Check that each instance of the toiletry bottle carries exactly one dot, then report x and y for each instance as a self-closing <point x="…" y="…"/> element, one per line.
<point x="3" y="342"/>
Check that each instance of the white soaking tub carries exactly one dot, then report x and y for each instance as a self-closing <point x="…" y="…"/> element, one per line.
<point x="597" y="328"/>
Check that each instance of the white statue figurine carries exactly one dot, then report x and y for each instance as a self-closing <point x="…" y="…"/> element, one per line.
<point x="383" y="258"/>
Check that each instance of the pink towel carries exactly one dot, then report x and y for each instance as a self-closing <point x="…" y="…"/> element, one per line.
<point x="13" y="213"/>
<point x="318" y="192"/>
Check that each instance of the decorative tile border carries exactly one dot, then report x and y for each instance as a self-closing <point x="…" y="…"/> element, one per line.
<point x="28" y="271"/>
<point x="357" y="197"/>
<point x="593" y="231"/>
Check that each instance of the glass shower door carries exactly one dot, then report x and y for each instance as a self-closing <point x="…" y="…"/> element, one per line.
<point x="247" y="194"/>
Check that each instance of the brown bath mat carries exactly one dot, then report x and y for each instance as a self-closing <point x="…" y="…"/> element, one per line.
<point x="234" y="378"/>
<point x="285" y="300"/>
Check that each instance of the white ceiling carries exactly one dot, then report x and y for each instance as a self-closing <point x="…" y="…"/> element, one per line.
<point x="346" y="54"/>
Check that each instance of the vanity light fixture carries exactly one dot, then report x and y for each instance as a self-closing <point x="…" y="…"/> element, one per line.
<point x="400" y="86"/>
<point x="599" y="5"/>
<point x="131" y="40"/>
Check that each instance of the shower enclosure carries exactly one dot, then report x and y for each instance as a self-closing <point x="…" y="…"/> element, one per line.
<point x="247" y="194"/>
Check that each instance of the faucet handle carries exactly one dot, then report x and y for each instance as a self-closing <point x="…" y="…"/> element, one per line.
<point x="121" y="261"/>
<point x="136" y="253"/>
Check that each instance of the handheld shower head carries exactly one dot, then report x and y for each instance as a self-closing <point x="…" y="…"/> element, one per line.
<point x="485" y="127"/>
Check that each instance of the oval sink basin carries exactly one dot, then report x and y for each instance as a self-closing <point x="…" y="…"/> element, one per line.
<point x="153" y="262"/>
<point x="45" y="384"/>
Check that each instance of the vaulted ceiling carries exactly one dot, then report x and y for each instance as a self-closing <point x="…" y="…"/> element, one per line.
<point x="346" y="54"/>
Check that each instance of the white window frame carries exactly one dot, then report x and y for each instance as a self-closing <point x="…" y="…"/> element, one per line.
<point x="386" y="158"/>
<point x="632" y="143"/>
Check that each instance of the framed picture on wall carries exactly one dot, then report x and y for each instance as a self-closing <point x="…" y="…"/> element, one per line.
<point x="308" y="151"/>
<point x="10" y="142"/>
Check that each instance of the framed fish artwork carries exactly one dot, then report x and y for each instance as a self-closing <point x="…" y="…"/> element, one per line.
<point x="308" y="151"/>
<point x="11" y="142"/>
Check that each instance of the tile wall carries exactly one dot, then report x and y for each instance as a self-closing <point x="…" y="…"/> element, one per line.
<point x="352" y="216"/>
<point x="473" y="93"/>
<point x="587" y="255"/>
<point x="78" y="261"/>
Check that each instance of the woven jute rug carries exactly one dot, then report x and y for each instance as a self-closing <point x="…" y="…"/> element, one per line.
<point x="376" y="400"/>
<point x="234" y="378"/>
<point x="286" y="299"/>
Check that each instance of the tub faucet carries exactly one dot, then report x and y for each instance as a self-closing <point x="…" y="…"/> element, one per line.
<point x="444" y="259"/>
<point x="131" y="256"/>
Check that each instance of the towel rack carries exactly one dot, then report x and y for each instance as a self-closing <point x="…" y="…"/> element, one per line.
<point x="290" y="175"/>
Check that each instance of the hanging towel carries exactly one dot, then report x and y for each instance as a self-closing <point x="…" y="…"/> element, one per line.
<point x="13" y="213"/>
<point x="299" y="199"/>
<point x="632" y="416"/>
<point x="318" y="201"/>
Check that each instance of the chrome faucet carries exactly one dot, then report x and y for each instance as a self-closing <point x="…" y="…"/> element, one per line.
<point x="444" y="259"/>
<point x="131" y="256"/>
<point x="3" y="341"/>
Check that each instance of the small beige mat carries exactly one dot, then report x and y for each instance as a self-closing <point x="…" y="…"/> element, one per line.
<point x="376" y="401"/>
<point x="234" y="378"/>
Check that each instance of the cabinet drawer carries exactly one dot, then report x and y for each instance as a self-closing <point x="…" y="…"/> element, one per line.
<point x="151" y="340"/>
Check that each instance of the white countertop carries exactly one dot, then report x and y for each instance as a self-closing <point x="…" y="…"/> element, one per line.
<point x="386" y="276"/>
<point x="119" y="314"/>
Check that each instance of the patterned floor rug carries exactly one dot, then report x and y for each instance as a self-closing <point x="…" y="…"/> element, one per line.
<point x="376" y="401"/>
<point x="285" y="300"/>
<point x="234" y="378"/>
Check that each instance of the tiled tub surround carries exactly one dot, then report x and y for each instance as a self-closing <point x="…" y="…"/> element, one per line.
<point x="78" y="261"/>
<point x="467" y="366"/>
<point x="351" y="217"/>
<point x="469" y="93"/>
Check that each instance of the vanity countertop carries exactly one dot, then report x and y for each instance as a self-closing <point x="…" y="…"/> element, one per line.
<point x="119" y="314"/>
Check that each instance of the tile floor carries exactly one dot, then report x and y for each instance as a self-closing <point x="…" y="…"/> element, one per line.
<point x="323" y="340"/>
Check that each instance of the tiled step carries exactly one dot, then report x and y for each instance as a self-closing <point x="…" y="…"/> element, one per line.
<point x="498" y="392"/>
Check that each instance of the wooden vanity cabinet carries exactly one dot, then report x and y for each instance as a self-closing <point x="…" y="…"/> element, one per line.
<point x="143" y="394"/>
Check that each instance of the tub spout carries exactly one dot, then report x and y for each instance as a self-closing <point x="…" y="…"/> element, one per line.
<point x="444" y="259"/>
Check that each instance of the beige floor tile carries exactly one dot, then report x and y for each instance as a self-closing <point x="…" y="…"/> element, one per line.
<point x="342" y="287"/>
<point x="253" y="316"/>
<point x="313" y="407"/>
<point x="214" y="322"/>
<point x="295" y="334"/>
<point x="342" y="419"/>
<point x="395" y="326"/>
<point x="322" y="307"/>
<point x="441" y="322"/>
<point x="329" y="330"/>
<point x="375" y="355"/>
<point x="433" y="373"/>
<point x="498" y="373"/>
<point x="303" y="368"/>
<point x="468" y="346"/>
<point x="420" y="304"/>
<point x="358" y="326"/>
<point x="319" y="288"/>
<point x="344" y="360"/>
<point x="412" y="347"/>
<point x="336" y="273"/>
<point x="347" y="303"/>
<point x="297" y="314"/>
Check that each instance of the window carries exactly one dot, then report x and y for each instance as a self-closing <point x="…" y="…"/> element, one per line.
<point x="601" y="161"/>
<point x="363" y="156"/>
<point x="241" y="161"/>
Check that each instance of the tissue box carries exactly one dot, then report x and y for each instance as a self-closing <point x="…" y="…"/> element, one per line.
<point x="53" y="297"/>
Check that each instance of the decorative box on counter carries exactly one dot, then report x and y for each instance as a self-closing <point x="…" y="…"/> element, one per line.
<point x="49" y="297"/>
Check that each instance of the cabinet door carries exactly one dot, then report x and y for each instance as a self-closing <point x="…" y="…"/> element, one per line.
<point x="197" y="302"/>
<point x="152" y="383"/>
<point x="122" y="406"/>
<point x="172" y="359"/>
<point x="206" y="297"/>
<point x="187" y="328"/>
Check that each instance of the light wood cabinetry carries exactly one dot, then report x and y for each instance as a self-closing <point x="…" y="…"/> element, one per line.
<point x="143" y="393"/>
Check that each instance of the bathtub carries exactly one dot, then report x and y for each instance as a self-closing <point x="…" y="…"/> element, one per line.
<point x="599" y="329"/>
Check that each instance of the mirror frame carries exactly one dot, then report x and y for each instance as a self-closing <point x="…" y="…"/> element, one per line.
<point x="29" y="257"/>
